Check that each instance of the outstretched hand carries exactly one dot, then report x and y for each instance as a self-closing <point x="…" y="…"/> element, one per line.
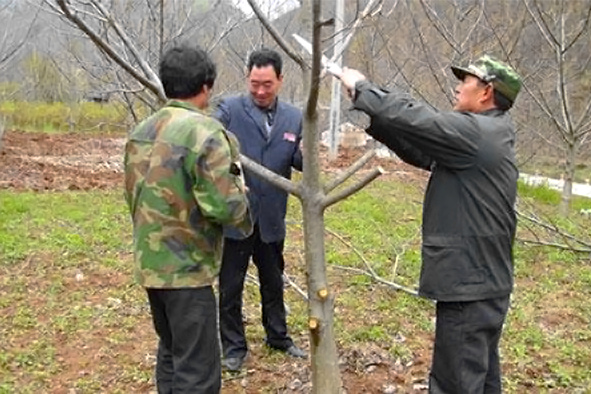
<point x="349" y="78"/>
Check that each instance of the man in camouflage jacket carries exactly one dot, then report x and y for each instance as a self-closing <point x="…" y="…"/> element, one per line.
<point x="182" y="185"/>
<point x="468" y="213"/>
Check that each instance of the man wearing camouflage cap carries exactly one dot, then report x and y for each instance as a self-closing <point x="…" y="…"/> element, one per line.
<point x="468" y="214"/>
<point x="182" y="184"/>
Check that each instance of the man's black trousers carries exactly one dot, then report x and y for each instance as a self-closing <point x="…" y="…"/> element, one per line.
<point x="188" y="359"/>
<point x="466" y="353"/>
<point x="268" y="258"/>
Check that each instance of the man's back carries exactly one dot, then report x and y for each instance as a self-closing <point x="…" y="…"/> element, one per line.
<point x="180" y="194"/>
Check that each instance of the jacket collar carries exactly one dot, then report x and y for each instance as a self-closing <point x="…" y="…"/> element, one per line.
<point x="182" y="104"/>
<point x="492" y="112"/>
<point x="251" y="105"/>
<point x="256" y="113"/>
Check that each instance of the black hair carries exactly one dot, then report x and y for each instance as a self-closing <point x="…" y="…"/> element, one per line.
<point x="502" y="102"/>
<point x="264" y="57"/>
<point x="184" y="70"/>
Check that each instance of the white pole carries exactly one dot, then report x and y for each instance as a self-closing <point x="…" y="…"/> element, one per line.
<point x="335" y="102"/>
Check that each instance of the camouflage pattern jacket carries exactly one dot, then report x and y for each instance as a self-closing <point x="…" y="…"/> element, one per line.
<point x="182" y="184"/>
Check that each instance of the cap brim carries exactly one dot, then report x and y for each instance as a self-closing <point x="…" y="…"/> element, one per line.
<point x="461" y="72"/>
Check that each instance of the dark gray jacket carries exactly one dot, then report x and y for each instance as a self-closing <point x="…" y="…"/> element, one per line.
<point x="468" y="214"/>
<point x="279" y="152"/>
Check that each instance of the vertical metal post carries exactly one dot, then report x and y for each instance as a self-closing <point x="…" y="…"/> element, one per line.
<point x="335" y="102"/>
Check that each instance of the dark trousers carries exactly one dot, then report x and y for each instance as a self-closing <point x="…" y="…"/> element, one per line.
<point x="268" y="258"/>
<point x="466" y="354"/>
<point x="188" y="359"/>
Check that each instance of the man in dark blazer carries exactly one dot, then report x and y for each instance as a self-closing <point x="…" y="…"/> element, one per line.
<point x="269" y="132"/>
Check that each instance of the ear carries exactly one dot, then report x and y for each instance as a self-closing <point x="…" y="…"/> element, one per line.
<point x="487" y="94"/>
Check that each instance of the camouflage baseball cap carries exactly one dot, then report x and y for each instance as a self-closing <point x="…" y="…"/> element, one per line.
<point x="503" y="77"/>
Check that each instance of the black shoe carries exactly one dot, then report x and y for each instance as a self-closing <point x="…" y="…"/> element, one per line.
<point x="233" y="364"/>
<point x="295" y="351"/>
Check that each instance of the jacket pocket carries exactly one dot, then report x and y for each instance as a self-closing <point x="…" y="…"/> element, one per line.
<point x="441" y="268"/>
<point x="448" y="269"/>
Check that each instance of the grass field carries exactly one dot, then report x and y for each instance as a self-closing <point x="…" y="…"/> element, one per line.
<point x="74" y="322"/>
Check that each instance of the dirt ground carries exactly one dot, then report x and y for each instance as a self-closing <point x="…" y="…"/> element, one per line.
<point x="39" y="161"/>
<point x="46" y="162"/>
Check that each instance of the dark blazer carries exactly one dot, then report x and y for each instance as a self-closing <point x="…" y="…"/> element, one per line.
<point x="278" y="152"/>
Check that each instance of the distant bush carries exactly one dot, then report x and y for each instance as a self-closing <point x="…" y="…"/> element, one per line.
<point x="60" y="117"/>
<point x="9" y="90"/>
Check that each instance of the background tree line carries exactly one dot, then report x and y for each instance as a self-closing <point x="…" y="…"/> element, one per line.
<point x="409" y="43"/>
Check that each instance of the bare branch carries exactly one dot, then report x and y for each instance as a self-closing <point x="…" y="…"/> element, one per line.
<point x="7" y="53"/>
<point x="584" y="114"/>
<point x="367" y="11"/>
<point x="555" y="245"/>
<point x="355" y="250"/>
<point x="541" y="23"/>
<point x="145" y="67"/>
<point x="71" y="14"/>
<point x="436" y="22"/>
<point x="474" y="25"/>
<point x="545" y="108"/>
<point x="344" y="175"/>
<point x="270" y="176"/>
<point x="379" y="279"/>
<point x="428" y="53"/>
<point x="295" y="286"/>
<point x="369" y="269"/>
<point x="555" y="229"/>
<point x="223" y="34"/>
<point x="277" y="36"/>
<point x="338" y="196"/>
<point x="250" y="277"/>
<point x="582" y="31"/>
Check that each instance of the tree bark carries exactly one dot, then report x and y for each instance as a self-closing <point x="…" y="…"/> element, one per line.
<point x="325" y="369"/>
<point x="569" y="177"/>
<point x="1" y="134"/>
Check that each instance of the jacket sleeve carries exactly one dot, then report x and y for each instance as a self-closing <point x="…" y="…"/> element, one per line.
<point x="297" y="159"/>
<point x="222" y="113"/>
<point x="418" y="133"/>
<point x="219" y="189"/>
<point x="403" y="149"/>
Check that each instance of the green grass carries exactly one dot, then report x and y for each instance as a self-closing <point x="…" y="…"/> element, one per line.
<point x="73" y="320"/>
<point x="543" y="194"/>
<point x="59" y="117"/>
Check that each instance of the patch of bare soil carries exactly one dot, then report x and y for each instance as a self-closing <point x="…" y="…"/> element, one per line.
<point x="38" y="161"/>
<point x="363" y="371"/>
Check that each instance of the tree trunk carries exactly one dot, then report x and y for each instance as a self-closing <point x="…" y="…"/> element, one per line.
<point x="569" y="176"/>
<point x="1" y="134"/>
<point x="326" y="377"/>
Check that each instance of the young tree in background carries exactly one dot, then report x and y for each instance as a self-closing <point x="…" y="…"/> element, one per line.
<point x="561" y="87"/>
